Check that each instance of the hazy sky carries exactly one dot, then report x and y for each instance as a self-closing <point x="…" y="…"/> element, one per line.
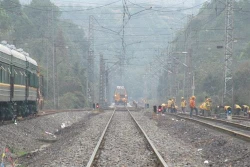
<point x="180" y="3"/>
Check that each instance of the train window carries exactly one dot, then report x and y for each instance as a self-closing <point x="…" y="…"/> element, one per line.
<point x="15" y="76"/>
<point x="5" y="73"/>
<point x="8" y="72"/>
<point x="23" y="78"/>
<point x="1" y="73"/>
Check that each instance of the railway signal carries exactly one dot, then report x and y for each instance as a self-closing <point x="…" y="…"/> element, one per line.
<point x="159" y="108"/>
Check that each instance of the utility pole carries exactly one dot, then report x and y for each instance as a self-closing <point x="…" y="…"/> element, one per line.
<point x="55" y="80"/>
<point x="102" y="81"/>
<point x="53" y="61"/>
<point x="107" y="90"/>
<point x="228" y="68"/>
<point x="90" y="65"/>
<point x="123" y="55"/>
<point x="189" y="73"/>
<point x="188" y="60"/>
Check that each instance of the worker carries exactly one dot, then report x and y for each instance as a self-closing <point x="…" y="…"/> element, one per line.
<point x="183" y="105"/>
<point x="169" y="105"/>
<point x="192" y="106"/>
<point x="176" y="108"/>
<point x="164" y="108"/>
<point x="237" y="109"/>
<point x="245" y="109"/>
<point x="173" y="109"/>
<point x="206" y="106"/>
<point x="202" y="108"/>
<point x="209" y="106"/>
<point x="228" y="110"/>
<point x="155" y="108"/>
<point x="159" y="109"/>
<point x="248" y="114"/>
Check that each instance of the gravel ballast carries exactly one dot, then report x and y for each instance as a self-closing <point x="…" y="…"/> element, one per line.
<point x="125" y="145"/>
<point x="214" y="148"/>
<point x="175" y="152"/>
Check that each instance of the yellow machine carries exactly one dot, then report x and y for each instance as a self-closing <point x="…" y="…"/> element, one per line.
<point x="120" y="95"/>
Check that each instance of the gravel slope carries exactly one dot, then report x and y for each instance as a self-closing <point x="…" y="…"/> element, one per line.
<point x="74" y="146"/>
<point x="25" y="134"/>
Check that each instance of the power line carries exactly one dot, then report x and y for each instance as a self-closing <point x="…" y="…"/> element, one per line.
<point x="78" y="10"/>
<point x="177" y="10"/>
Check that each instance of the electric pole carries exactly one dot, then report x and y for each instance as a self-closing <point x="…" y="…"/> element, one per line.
<point x="107" y="90"/>
<point x="90" y="65"/>
<point x="102" y="81"/>
<point x="229" y="39"/>
<point x="53" y="61"/>
<point x="190" y="74"/>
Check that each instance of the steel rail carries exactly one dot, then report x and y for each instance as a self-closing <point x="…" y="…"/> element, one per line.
<point x="94" y="154"/>
<point x="158" y="155"/>
<point x="224" y="122"/>
<point x="241" y="118"/>
<point x="239" y="135"/>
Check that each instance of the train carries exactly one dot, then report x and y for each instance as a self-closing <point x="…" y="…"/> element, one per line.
<point x="120" y="96"/>
<point x="20" y="83"/>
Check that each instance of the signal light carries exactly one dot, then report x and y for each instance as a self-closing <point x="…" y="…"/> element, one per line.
<point x="97" y="105"/>
<point x="159" y="108"/>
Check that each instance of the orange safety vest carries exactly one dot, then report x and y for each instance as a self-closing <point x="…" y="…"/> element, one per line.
<point x="192" y="103"/>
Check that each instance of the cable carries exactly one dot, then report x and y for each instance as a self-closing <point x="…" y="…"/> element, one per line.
<point x="178" y="10"/>
<point x="105" y="27"/>
<point x="80" y="10"/>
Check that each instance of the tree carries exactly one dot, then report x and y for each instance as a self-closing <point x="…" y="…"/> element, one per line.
<point x="4" y="20"/>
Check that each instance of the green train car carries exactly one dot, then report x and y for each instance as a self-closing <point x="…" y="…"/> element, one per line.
<point x="19" y="83"/>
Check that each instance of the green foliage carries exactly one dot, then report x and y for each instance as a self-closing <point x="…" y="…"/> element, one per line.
<point x="203" y="34"/>
<point x="4" y="20"/>
<point x="212" y="84"/>
<point x="72" y="100"/>
<point x="241" y="84"/>
<point x="33" y="28"/>
<point x="246" y="52"/>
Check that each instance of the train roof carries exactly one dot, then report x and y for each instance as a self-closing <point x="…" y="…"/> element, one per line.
<point x="5" y="49"/>
<point x="120" y="87"/>
<point x="32" y="61"/>
<point x="17" y="54"/>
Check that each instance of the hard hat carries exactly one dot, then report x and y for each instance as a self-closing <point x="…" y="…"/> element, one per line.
<point x="193" y="97"/>
<point x="182" y="98"/>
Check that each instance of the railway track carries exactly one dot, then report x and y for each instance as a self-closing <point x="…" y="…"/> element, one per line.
<point x="241" y="118"/>
<point x="124" y="143"/>
<point x="234" y="129"/>
<point x="233" y="124"/>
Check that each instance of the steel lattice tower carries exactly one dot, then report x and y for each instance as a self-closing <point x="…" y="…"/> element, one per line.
<point x="228" y="73"/>
<point x="90" y="69"/>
